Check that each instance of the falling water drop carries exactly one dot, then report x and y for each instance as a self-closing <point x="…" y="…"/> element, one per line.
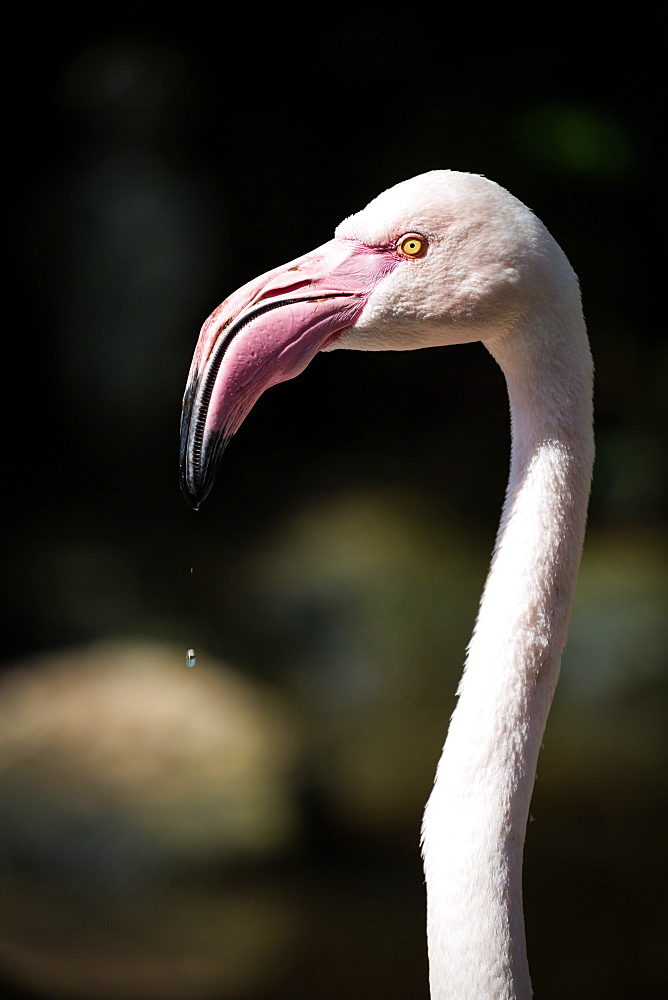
<point x="191" y="659"/>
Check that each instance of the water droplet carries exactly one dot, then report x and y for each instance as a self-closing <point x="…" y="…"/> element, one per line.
<point x="191" y="659"/>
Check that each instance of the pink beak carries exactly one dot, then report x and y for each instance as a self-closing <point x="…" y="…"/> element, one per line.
<point x="265" y="333"/>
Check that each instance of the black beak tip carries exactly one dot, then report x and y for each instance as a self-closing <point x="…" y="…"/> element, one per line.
<point x="197" y="481"/>
<point x="192" y="496"/>
<point x="199" y="454"/>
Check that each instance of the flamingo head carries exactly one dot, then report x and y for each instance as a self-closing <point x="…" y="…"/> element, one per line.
<point x="443" y="258"/>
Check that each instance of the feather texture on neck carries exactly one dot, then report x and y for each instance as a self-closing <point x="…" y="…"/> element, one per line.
<point x="475" y="821"/>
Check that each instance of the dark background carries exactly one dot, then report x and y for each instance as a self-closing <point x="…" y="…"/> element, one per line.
<point x="156" y="165"/>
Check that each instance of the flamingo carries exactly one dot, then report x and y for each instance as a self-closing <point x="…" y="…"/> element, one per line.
<point x="448" y="258"/>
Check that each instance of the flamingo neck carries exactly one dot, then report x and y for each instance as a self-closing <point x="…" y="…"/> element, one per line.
<point x="475" y="820"/>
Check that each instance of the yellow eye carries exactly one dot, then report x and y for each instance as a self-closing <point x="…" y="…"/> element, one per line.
<point x="412" y="245"/>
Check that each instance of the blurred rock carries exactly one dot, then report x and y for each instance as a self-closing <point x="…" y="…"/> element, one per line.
<point x="119" y="764"/>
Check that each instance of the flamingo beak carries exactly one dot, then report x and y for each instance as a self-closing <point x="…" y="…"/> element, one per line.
<point x="267" y="332"/>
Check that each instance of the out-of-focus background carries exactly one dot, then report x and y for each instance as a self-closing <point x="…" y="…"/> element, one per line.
<point x="248" y="829"/>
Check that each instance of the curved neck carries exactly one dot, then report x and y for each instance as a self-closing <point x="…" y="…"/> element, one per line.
<point x="475" y="821"/>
